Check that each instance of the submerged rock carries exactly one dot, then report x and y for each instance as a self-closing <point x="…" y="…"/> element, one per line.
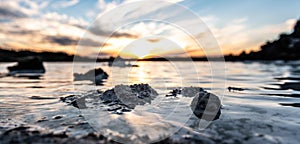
<point x="94" y="75"/>
<point x="27" y="66"/>
<point x="206" y="106"/>
<point x="129" y="96"/>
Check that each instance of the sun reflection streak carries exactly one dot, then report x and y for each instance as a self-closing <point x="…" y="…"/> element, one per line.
<point x="139" y="74"/>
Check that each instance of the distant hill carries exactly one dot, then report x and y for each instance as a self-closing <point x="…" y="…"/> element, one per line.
<point x="287" y="47"/>
<point x="12" y="56"/>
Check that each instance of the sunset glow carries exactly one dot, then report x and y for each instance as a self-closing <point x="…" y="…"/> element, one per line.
<point x="59" y="26"/>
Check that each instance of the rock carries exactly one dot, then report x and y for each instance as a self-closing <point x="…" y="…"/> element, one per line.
<point x="27" y="65"/>
<point x="235" y="89"/>
<point x="129" y="96"/>
<point x="78" y="102"/>
<point x="109" y="96"/>
<point x="95" y="75"/>
<point x="57" y="117"/>
<point x="192" y="91"/>
<point x="206" y="106"/>
<point x="174" y="93"/>
<point x="187" y="91"/>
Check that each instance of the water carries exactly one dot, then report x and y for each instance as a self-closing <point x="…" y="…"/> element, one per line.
<point x="267" y="110"/>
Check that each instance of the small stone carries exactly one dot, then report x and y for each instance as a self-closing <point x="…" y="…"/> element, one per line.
<point x="206" y="106"/>
<point x="57" y="117"/>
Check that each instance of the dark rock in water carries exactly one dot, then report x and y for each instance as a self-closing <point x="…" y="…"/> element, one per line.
<point x="57" y="117"/>
<point x="95" y="75"/>
<point x="206" y="106"/>
<point x="192" y="91"/>
<point x="109" y="96"/>
<point x="129" y="96"/>
<point x="78" y="102"/>
<point x="187" y="92"/>
<point x="26" y="134"/>
<point x="174" y="93"/>
<point x="235" y="89"/>
<point x="41" y="98"/>
<point x="27" y="65"/>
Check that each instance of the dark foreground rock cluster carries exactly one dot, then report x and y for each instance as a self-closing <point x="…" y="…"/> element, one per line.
<point x="26" y="134"/>
<point x="124" y="98"/>
<point x="32" y="135"/>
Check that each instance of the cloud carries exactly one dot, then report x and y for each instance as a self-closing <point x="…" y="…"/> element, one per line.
<point x="61" y="40"/>
<point x="92" y="43"/>
<point x="65" y="3"/>
<point x="65" y="19"/>
<point x="97" y="30"/>
<point x="236" y="36"/>
<point x="20" y="8"/>
<point x="6" y="13"/>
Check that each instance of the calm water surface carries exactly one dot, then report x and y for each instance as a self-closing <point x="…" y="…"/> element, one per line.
<point x="266" y="111"/>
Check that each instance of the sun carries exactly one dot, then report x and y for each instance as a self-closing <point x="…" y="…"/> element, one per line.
<point x="139" y="49"/>
<point x="148" y="47"/>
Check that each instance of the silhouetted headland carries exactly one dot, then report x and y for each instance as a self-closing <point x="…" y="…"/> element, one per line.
<point x="287" y="47"/>
<point x="14" y="56"/>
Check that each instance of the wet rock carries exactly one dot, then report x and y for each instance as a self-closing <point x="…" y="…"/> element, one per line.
<point x="129" y="96"/>
<point x="187" y="91"/>
<point x="235" y="89"/>
<point x="27" y="134"/>
<point x="28" y="65"/>
<point x="41" y="98"/>
<point x="174" y="93"/>
<point x="192" y="91"/>
<point x="76" y="101"/>
<point x="109" y="96"/>
<point x="57" y="117"/>
<point x="206" y="106"/>
<point x="96" y="75"/>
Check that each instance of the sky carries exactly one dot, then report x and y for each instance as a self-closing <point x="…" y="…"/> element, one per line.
<point x="137" y="28"/>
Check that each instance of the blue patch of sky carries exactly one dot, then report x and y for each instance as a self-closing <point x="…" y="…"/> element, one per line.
<point x="257" y="12"/>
